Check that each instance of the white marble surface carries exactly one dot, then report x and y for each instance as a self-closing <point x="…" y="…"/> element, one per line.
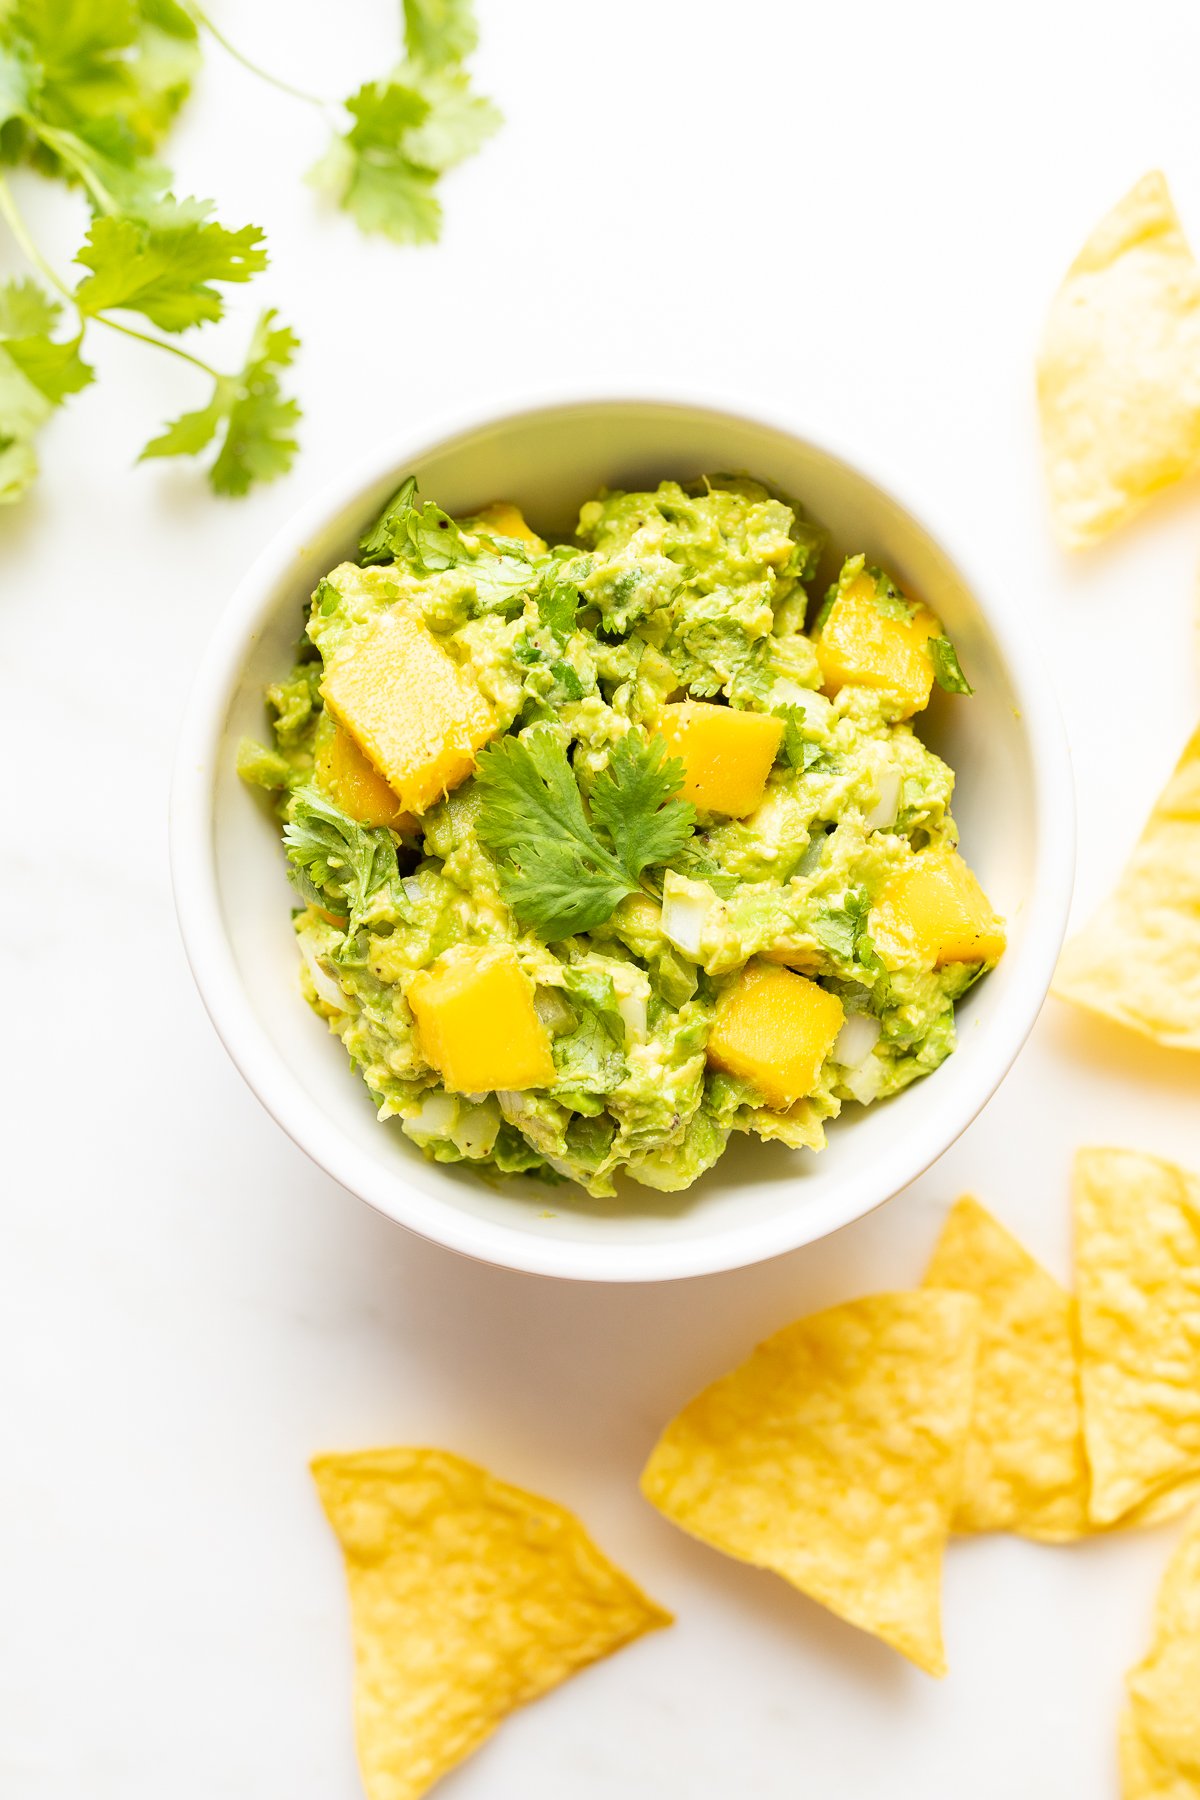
<point x="862" y="210"/>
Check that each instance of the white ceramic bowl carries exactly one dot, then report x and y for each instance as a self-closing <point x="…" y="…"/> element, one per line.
<point x="1014" y="805"/>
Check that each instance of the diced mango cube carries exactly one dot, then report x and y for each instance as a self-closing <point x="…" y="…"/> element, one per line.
<point x="726" y="755"/>
<point x="359" y="789"/>
<point x="507" y="520"/>
<point x="774" y="1029"/>
<point x="860" y="645"/>
<point x="477" y="1024"/>
<point x="416" y="716"/>
<point x="934" y="912"/>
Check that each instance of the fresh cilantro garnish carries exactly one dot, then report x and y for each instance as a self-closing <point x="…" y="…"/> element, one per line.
<point x="347" y="868"/>
<point x="557" y="603"/>
<point x="840" y="927"/>
<point x="800" y="752"/>
<point x="164" y="266"/>
<point x="88" y="88"/>
<point x="408" y="130"/>
<point x="437" y="32"/>
<point x="845" y="932"/>
<point x="369" y="172"/>
<point x="568" y="679"/>
<point x="947" y="670"/>
<point x="560" y="871"/>
<point x="429" y="540"/>
<point x="37" y="373"/>
<point x="248" y="412"/>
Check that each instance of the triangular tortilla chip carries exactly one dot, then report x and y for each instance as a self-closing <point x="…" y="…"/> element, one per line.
<point x="1025" y="1469"/>
<point x="1160" y="1729"/>
<point x="834" y="1457"/>
<point x="1137" y="1259"/>
<point x="1138" y="961"/>
<point x="468" y="1598"/>
<point x="1119" y="368"/>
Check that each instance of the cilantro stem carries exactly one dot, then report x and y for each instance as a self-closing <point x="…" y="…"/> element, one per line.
<point x="285" y="87"/>
<point x="144" y="337"/>
<point x="60" y="142"/>
<point x="16" y="224"/>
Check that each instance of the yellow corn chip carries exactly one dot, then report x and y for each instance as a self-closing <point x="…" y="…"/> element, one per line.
<point x="1137" y="1258"/>
<point x="1119" y="368"/>
<point x="1138" y="961"/>
<point x="1160" y="1729"/>
<point x="834" y="1457"/>
<point x="468" y="1598"/>
<point x="1025" y="1466"/>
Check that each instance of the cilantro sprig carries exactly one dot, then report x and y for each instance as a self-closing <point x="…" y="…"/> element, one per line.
<point x="86" y="94"/>
<point x="88" y="89"/>
<point x="562" y="871"/>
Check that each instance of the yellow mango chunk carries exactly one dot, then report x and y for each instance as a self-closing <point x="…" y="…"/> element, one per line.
<point x="859" y="645"/>
<point x="477" y="1023"/>
<point x="726" y="755"/>
<point x="415" y="715"/>
<point x="507" y="520"/>
<point x="935" y="912"/>
<point x="775" y="1028"/>
<point x="359" y="789"/>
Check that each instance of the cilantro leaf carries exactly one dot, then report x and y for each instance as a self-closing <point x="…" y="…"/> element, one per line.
<point x="255" y="421"/>
<point x="557" y="604"/>
<point x="163" y="265"/>
<point x="840" y="927"/>
<point x="457" y="121"/>
<point x="370" y="173"/>
<point x="798" y="751"/>
<point x="25" y="309"/>
<point x="429" y="541"/>
<point x="37" y="373"/>
<point x="439" y="31"/>
<point x="107" y="73"/>
<point x="341" y="865"/>
<point x="845" y="931"/>
<point x="556" y="872"/>
<point x="406" y="131"/>
<point x="947" y="671"/>
<point x="632" y="803"/>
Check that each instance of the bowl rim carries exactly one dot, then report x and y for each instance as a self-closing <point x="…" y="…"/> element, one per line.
<point x="192" y="846"/>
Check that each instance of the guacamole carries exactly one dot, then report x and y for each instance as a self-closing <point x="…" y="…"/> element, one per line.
<point x="610" y="848"/>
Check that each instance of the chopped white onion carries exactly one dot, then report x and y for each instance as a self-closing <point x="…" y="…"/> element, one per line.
<point x="632" y="1008"/>
<point x="327" y="988"/>
<point x="865" y="1082"/>
<point x="685" y="912"/>
<point x="477" y="1129"/>
<point x="434" y="1118"/>
<point x="856" y="1040"/>
<point x="814" y="706"/>
<point x="412" y="887"/>
<point x="882" y="815"/>
<point x="553" y="1010"/>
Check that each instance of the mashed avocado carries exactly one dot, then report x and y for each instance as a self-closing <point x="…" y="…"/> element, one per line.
<point x="613" y="848"/>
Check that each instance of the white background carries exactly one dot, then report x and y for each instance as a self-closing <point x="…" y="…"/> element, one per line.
<point x="860" y="211"/>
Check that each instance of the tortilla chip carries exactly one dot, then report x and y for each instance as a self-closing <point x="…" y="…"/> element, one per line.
<point x="834" y="1457"/>
<point x="1137" y="1257"/>
<point x="468" y="1598"/>
<point x="1119" y="368"/>
<point x="1160" y="1729"/>
<point x="1025" y="1468"/>
<point x="1138" y="962"/>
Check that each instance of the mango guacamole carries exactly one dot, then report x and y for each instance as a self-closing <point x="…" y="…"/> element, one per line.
<point x="611" y="848"/>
